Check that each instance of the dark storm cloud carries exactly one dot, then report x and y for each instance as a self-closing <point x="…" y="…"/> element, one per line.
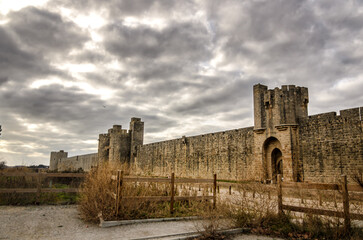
<point x="223" y="96"/>
<point x="42" y="30"/>
<point x="185" y="41"/>
<point x="55" y="104"/>
<point x="31" y="39"/>
<point x="17" y="63"/>
<point x="89" y="56"/>
<point x="151" y="69"/>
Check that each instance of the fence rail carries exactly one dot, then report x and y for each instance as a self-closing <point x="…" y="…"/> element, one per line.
<point x="120" y="179"/>
<point x="39" y="177"/>
<point x="343" y="187"/>
<point x="25" y="174"/>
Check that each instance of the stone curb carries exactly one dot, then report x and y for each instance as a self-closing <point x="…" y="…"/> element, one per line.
<point x="187" y="235"/>
<point x="105" y="224"/>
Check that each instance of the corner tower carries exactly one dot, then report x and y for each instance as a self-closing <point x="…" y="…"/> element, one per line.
<point x="120" y="145"/>
<point x="277" y="113"/>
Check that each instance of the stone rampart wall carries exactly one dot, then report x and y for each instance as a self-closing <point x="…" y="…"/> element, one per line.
<point x="86" y="162"/>
<point x="331" y="145"/>
<point x="228" y="153"/>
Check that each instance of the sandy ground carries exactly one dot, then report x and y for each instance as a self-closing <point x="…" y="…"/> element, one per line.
<point x="63" y="222"/>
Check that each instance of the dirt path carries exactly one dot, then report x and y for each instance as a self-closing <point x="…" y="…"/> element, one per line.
<point x="63" y="222"/>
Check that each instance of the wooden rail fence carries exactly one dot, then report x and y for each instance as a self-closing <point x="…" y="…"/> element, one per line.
<point x="39" y="176"/>
<point x="343" y="187"/>
<point x="120" y="179"/>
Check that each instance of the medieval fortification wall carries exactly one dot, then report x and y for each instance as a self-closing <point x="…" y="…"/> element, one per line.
<point x="331" y="145"/>
<point x="228" y="153"/>
<point x="284" y="140"/>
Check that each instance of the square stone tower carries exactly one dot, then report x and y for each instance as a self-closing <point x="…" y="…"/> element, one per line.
<point x="120" y="145"/>
<point x="54" y="159"/>
<point x="276" y="114"/>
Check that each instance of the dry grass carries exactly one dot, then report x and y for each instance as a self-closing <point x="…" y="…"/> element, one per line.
<point x="214" y="220"/>
<point x="259" y="213"/>
<point x="31" y="182"/>
<point x="98" y="188"/>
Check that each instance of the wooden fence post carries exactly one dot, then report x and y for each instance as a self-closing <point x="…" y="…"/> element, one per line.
<point x="116" y="198"/>
<point x="279" y="194"/>
<point x="230" y="190"/>
<point x="39" y="185"/>
<point x="345" y="204"/>
<point x="118" y="189"/>
<point x="320" y="198"/>
<point x="172" y="180"/>
<point x="214" y="190"/>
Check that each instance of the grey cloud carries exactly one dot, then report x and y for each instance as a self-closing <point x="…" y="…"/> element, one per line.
<point x="46" y="31"/>
<point x="16" y="63"/>
<point x="30" y="39"/>
<point x="116" y="9"/>
<point x="55" y="104"/>
<point x="309" y="43"/>
<point x="3" y="80"/>
<point x="185" y="41"/>
<point x="221" y="97"/>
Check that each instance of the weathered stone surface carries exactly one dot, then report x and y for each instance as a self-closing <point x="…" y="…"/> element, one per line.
<point x="84" y="162"/>
<point x="283" y="140"/>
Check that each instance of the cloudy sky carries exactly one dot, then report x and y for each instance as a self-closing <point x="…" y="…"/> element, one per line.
<point x="69" y="70"/>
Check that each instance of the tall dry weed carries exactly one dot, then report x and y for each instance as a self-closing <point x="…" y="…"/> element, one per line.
<point x="97" y="197"/>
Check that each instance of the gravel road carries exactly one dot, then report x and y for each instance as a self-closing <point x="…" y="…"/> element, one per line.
<point x="63" y="222"/>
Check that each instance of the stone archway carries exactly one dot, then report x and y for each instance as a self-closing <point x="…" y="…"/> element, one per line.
<point x="276" y="163"/>
<point x="272" y="158"/>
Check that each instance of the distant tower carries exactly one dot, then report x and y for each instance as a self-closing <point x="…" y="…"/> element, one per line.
<point x="137" y="136"/>
<point x="54" y="159"/>
<point x="276" y="114"/>
<point x="103" y="147"/>
<point x="120" y="145"/>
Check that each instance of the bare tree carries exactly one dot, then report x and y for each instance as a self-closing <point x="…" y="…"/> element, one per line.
<point x="2" y="165"/>
<point x="357" y="176"/>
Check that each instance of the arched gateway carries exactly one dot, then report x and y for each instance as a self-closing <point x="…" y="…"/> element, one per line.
<point x="272" y="154"/>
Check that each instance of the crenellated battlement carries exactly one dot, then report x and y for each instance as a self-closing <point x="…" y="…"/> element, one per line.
<point x="346" y="114"/>
<point x="279" y="106"/>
